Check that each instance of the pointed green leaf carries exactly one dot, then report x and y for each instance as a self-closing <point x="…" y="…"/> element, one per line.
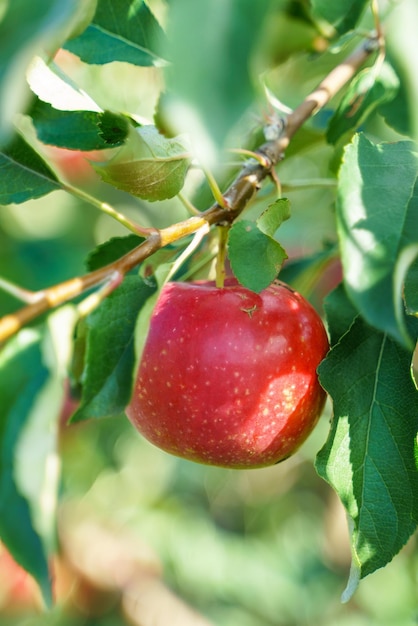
<point x="365" y="93"/>
<point x="377" y="196"/>
<point x="120" y="31"/>
<point x="369" y="455"/>
<point x="24" y="174"/>
<point x="78" y="130"/>
<point x="111" y="250"/>
<point x="110" y="357"/>
<point x="148" y="165"/>
<point x="53" y="86"/>
<point x="255" y="257"/>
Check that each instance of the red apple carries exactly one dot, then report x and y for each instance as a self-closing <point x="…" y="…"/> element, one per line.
<point x="227" y="376"/>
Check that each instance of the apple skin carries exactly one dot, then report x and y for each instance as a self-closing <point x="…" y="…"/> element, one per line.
<point x="227" y="376"/>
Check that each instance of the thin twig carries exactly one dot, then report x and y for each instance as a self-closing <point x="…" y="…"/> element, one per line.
<point x="234" y="200"/>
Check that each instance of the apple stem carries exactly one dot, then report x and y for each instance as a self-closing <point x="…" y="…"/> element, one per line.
<point x="221" y="256"/>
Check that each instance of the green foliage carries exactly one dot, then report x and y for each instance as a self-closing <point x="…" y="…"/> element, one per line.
<point x="376" y="213"/>
<point x="78" y="130"/>
<point x="108" y="342"/>
<point x="369" y="455"/>
<point x="200" y="68"/>
<point x="148" y="165"/>
<point x="25" y="174"/>
<point x="125" y="31"/>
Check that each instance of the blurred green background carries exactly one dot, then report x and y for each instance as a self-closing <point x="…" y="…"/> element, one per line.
<point x="245" y="548"/>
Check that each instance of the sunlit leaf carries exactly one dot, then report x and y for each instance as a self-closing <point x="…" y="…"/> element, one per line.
<point x="149" y="165"/>
<point x="50" y="83"/>
<point x="377" y="213"/>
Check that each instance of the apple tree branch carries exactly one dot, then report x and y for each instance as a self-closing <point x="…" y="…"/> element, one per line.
<point x="235" y="199"/>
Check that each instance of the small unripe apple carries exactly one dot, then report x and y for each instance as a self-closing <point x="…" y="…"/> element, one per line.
<point x="228" y="376"/>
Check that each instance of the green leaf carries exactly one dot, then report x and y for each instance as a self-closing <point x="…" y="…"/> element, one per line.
<point x="365" y="93"/>
<point x="110" y="357"/>
<point x="24" y="174"/>
<point x="343" y="15"/>
<point x="111" y="250"/>
<point x="78" y="130"/>
<point x="377" y="213"/>
<point x="148" y="165"/>
<point x="26" y="29"/>
<point x="274" y="216"/>
<point x="210" y="65"/>
<point x="369" y="455"/>
<point x="120" y="31"/>
<point x="52" y="85"/>
<point x="255" y="258"/>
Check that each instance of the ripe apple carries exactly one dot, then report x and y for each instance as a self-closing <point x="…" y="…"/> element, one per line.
<point x="227" y="376"/>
